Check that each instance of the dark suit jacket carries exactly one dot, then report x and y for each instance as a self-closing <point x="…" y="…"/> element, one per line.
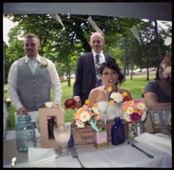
<point x="86" y="76"/>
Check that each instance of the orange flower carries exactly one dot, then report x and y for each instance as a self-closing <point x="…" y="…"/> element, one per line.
<point x="81" y="111"/>
<point x="111" y="102"/>
<point x="109" y="89"/>
<point x="86" y="102"/>
<point x="124" y="94"/>
<point x="95" y="105"/>
<point x="124" y="109"/>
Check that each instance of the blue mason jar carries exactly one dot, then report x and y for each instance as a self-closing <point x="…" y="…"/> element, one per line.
<point x="117" y="132"/>
<point x="25" y="133"/>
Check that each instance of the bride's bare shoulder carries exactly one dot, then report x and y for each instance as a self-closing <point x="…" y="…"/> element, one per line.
<point x="97" y="90"/>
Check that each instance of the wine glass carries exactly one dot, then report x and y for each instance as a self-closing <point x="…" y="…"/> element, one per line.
<point x="164" y="120"/>
<point x="62" y="135"/>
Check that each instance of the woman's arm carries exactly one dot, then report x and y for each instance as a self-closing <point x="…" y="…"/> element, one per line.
<point x="151" y="100"/>
<point x="91" y="98"/>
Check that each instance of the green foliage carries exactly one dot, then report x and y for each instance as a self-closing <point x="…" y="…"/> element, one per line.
<point x="134" y="86"/>
<point x="65" y="46"/>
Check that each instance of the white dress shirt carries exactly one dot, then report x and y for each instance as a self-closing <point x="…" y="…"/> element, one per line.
<point x="54" y="79"/>
<point x="101" y="58"/>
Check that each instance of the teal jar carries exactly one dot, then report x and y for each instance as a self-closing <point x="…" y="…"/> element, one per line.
<point x="25" y="133"/>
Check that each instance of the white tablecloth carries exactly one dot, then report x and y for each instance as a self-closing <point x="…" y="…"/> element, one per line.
<point x="114" y="156"/>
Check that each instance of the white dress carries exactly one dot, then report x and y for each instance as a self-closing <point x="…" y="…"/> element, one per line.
<point x="113" y="110"/>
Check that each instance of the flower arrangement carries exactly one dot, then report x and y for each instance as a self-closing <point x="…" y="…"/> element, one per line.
<point x="166" y="65"/>
<point x="115" y="97"/>
<point x="134" y="111"/>
<point x="86" y="115"/>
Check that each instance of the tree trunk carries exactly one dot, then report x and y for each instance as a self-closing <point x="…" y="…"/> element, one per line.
<point x="124" y="59"/>
<point x="157" y="40"/>
<point x="147" y="64"/>
<point x="147" y="73"/>
<point x="68" y="76"/>
<point x="132" y="67"/>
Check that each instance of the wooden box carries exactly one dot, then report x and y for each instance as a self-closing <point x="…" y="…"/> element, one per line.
<point x="85" y="135"/>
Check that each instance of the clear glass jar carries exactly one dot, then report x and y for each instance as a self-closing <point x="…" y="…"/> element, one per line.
<point x="25" y="133"/>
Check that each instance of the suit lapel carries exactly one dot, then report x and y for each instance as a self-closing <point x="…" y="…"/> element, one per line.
<point x="91" y="61"/>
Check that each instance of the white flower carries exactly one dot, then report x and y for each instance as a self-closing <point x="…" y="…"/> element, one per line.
<point x="96" y="111"/>
<point x="127" y="117"/>
<point x="117" y="97"/>
<point x="129" y="110"/>
<point x="49" y="104"/>
<point x="80" y="124"/>
<point x="163" y="65"/>
<point x="168" y="70"/>
<point x="84" y="116"/>
<point x="141" y="106"/>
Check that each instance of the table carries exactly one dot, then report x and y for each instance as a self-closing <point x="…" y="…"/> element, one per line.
<point x="114" y="156"/>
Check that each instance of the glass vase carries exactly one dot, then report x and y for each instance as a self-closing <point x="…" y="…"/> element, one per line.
<point x="134" y="129"/>
<point x="104" y="117"/>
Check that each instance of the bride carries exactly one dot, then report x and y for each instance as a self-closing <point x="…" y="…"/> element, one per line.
<point x="111" y="75"/>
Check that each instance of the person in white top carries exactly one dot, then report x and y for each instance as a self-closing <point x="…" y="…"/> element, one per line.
<point x="29" y="88"/>
<point x="111" y="76"/>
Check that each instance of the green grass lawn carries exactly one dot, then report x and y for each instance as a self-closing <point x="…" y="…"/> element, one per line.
<point x="134" y="86"/>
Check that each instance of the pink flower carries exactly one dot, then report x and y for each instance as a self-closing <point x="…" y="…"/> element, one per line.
<point x="135" y="117"/>
<point x="77" y="117"/>
<point x="98" y="117"/>
<point x="137" y="101"/>
<point x="91" y="114"/>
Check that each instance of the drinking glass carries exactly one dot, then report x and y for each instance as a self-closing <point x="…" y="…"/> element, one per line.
<point x="164" y="120"/>
<point x="62" y="135"/>
<point x="155" y="120"/>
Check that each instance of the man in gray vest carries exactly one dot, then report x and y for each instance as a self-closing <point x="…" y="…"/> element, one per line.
<point x="31" y="78"/>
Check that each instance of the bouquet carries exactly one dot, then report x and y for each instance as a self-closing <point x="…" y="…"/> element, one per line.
<point x="84" y="115"/>
<point x="115" y="97"/>
<point x="134" y="111"/>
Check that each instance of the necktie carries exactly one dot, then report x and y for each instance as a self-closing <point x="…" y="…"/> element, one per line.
<point x="97" y="69"/>
<point x="32" y="65"/>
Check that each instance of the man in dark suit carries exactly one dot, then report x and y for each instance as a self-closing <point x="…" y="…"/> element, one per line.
<point x="87" y="70"/>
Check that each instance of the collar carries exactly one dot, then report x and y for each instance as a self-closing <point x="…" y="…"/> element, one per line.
<point x="94" y="53"/>
<point x="37" y="58"/>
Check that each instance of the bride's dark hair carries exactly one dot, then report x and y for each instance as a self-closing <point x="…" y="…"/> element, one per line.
<point x="114" y="66"/>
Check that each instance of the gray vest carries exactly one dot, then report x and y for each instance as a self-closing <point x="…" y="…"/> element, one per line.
<point x="33" y="90"/>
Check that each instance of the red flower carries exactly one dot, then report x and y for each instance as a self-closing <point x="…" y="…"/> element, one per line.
<point x="135" y="117"/>
<point x="70" y="103"/>
<point x="127" y="98"/>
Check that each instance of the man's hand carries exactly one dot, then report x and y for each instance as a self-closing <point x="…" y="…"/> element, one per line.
<point x="78" y="101"/>
<point x="22" y="111"/>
